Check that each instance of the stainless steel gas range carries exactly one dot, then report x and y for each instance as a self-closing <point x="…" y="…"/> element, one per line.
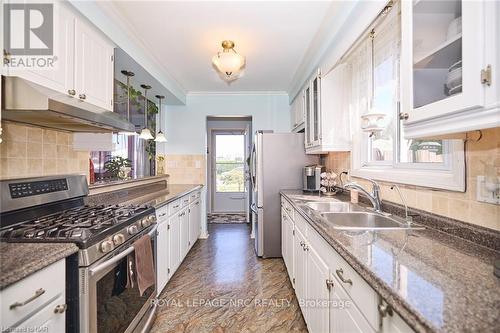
<point x="53" y="209"/>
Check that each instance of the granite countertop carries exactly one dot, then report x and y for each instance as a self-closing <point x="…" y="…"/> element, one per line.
<point x="155" y="194"/>
<point x="435" y="281"/>
<point x="161" y="198"/>
<point x="18" y="260"/>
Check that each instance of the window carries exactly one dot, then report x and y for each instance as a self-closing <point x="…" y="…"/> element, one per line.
<point x="430" y="162"/>
<point x="230" y="162"/>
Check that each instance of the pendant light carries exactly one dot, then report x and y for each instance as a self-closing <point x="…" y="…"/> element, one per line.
<point x="128" y="74"/>
<point x="228" y="62"/>
<point x="372" y="121"/>
<point x="146" y="133"/>
<point x="160" y="137"/>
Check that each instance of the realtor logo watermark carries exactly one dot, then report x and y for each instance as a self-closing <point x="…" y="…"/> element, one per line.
<point x="28" y="35"/>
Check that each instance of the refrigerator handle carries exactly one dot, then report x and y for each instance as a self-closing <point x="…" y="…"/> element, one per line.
<point x="253" y="207"/>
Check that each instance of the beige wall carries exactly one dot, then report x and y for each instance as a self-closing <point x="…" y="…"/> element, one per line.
<point x="185" y="169"/>
<point x="457" y="205"/>
<point x="28" y="151"/>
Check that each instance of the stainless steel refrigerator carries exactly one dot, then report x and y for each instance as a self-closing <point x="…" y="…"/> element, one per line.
<point x="276" y="163"/>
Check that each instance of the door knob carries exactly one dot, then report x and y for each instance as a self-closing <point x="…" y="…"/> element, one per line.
<point x="72" y="92"/>
<point x="82" y="96"/>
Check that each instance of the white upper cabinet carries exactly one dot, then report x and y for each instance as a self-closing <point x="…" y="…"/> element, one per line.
<point x="327" y="117"/>
<point x="84" y="61"/>
<point x="447" y="53"/>
<point x="297" y="113"/>
<point x="61" y="78"/>
<point x="94" y="66"/>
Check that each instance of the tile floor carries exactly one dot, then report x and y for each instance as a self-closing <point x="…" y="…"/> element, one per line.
<point x="223" y="287"/>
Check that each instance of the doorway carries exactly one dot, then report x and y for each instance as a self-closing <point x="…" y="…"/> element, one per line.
<point x="228" y="144"/>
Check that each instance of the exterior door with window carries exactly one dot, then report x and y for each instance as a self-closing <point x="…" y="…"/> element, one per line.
<point x="228" y="171"/>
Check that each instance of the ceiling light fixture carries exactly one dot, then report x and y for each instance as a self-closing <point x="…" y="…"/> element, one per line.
<point x="160" y="137"/>
<point x="146" y="133"/>
<point x="373" y="121"/>
<point x="228" y="62"/>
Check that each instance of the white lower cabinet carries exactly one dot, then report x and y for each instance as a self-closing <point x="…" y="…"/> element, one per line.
<point x="174" y="243"/>
<point x="344" y="315"/>
<point x="36" y="303"/>
<point x="162" y="273"/>
<point x="178" y="229"/>
<point x="332" y="296"/>
<point x="317" y="292"/>
<point x="47" y="319"/>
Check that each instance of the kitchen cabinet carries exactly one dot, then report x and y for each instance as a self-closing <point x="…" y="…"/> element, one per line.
<point x="194" y="222"/>
<point x="61" y="78"/>
<point x="300" y="264"/>
<point x="327" y="117"/>
<point x="84" y="64"/>
<point x="174" y="243"/>
<point x="332" y="296"/>
<point x="449" y="66"/>
<point x="348" y="318"/>
<point x="37" y="302"/>
<point x="93" y="66"/>
<point x="184" y="225"/>
<point x="287" y="241"/>
<point x="317" y="288"/>
<point x="162" y="254"/>
<point x="297" y="113"/>
<point x="178" y="229"/>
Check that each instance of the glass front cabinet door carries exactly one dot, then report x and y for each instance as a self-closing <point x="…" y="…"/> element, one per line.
<point x="442" y="61"/>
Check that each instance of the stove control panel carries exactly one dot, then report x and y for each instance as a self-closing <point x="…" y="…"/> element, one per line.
<point x="27" y="189"/>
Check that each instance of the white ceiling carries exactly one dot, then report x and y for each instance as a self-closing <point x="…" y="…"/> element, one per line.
<point x="182" y="36"/>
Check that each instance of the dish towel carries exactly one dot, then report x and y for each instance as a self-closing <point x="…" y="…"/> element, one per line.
<point x="144" y="264"/>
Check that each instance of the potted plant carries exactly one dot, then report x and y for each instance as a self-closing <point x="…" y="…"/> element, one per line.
<point x="118" y="167"/>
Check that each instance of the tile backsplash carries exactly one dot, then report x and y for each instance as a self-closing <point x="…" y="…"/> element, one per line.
<point x="185" y="169"/>
<point x="28" y="151"/>
<point x="457" y="205"/>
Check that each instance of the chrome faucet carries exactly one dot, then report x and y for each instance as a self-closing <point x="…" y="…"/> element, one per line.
<point x="408" y="218"/>
<point x="374" y="196"/>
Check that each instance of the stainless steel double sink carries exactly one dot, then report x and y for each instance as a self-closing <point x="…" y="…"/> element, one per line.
<point x="346" y="216"/>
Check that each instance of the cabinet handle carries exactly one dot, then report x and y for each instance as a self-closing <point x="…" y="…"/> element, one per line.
<point x="82" y="96"/>
<point x="384" y="310"/>
<point x="176" y="206"/>
<point x="340" y="274"/>
<point x="60" y="308"/>
<point x="72" y="92"/>
<point x="404" y="116"/>
<point x="302" y="244"/>
<point x="38" y="293"/>
<point x="306" y="248"/>
<point x="329" y="283"/>
<point x="162" y="214"/>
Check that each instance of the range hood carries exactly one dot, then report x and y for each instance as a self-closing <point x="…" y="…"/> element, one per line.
<point x="30" y="103"/>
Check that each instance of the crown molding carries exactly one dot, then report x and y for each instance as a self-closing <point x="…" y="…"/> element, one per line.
<point x="238" y="93"/>
<point x="105" y="16"/>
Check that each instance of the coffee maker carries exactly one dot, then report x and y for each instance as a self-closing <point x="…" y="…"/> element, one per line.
<point x="312" y="177"/>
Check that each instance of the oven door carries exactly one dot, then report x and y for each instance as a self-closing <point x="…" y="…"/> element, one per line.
<point x="106" y="304"/>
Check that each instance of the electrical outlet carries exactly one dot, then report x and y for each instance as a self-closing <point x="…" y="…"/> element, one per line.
<point x="488" y="192"/>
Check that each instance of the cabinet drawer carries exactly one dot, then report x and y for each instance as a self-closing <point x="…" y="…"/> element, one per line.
<point x="365" y="298"/>
<point x="302" y="225"/>
<point x="174" y="207"/>
<point x="288" y="207"/>
<point x="184" y="201"/>
<point x="47" y="319"/>
<point x="194" y="196"/>
<point x="162" y="213"/>
<point x="35" y="291"/>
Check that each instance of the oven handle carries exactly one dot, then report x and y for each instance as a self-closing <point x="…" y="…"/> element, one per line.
<point x="116" y="258"/>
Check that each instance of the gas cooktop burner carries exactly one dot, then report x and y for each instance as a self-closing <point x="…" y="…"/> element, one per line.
<point x="78" y="224"/>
